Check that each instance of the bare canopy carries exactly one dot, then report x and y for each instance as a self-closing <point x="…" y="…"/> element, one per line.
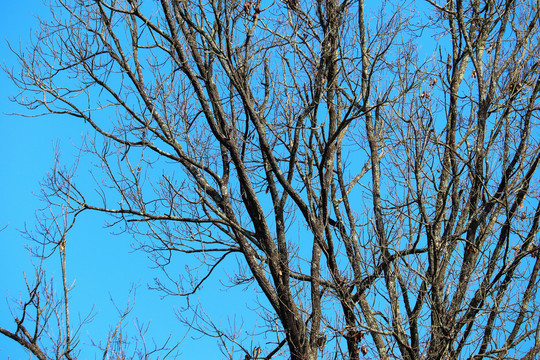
<point x="373" y="169"/>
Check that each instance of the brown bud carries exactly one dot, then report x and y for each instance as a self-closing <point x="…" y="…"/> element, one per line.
<point x="363" y="349"/>
<point x="247" y="6"/>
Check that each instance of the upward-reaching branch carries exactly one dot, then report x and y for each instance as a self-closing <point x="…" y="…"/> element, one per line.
<point x="379" y="198"/>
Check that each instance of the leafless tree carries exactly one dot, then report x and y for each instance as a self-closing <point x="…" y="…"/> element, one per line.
<point x="382" y="198"/>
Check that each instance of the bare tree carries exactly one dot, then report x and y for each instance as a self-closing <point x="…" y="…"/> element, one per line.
<point x="383" y="200"/>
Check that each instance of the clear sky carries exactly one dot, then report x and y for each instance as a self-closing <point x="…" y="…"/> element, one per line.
<point x="101" y="266"/>
<point x="26" y="151"/>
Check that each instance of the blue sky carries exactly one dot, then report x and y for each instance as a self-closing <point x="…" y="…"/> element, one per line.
<point x="102" y="266"/>
<point x="26" y="154"/>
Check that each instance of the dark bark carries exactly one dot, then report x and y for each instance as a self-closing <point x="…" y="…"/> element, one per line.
<point x="383" y="205"/>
